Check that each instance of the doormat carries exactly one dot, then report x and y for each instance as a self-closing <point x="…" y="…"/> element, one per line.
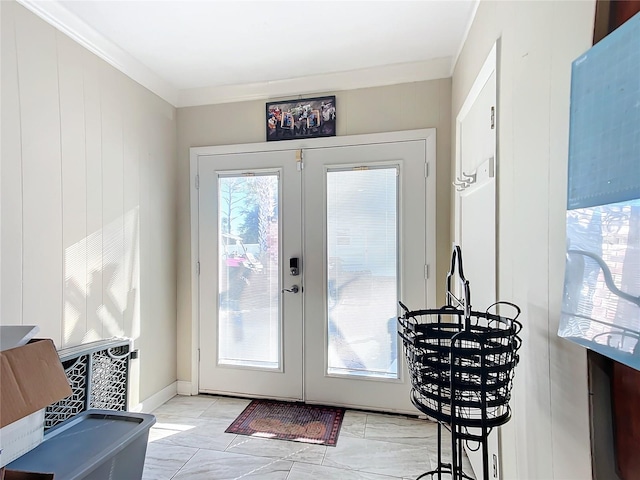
<point x="289" y="421"/>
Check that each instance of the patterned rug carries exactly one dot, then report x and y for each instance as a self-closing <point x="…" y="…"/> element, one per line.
<point x="289" y="421"/>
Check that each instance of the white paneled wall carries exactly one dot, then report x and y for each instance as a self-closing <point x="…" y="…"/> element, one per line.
<point x="548" y="435"/>
<point x="88" y="199"/>
<point x="74" y="191"/>
<point x="42" y="261"/>
<point x="10" y="177"/>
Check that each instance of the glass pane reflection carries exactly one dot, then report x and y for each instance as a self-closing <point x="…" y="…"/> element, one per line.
<point x="248" y="290"/>
<point x="601" y="301"/>
<point x="362" y="286"/>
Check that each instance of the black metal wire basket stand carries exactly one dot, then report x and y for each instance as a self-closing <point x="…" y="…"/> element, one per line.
<point x="461" y="363"/>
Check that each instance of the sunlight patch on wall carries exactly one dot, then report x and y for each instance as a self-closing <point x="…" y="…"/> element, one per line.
<point x="102" y="281"/>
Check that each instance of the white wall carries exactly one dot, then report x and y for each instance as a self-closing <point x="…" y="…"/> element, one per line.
<point x="370" y="110"/>
<point x="88" y="199"/>
<point x="548" y="436"/>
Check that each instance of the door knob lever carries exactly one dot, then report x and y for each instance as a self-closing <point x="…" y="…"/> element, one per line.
<point x="293" y="289"/>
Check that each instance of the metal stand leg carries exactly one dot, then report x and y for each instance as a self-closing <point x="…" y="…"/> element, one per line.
<point x="485" y="454"/>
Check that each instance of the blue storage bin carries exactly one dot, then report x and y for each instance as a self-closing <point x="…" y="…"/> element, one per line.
<point x="93" y="445"/>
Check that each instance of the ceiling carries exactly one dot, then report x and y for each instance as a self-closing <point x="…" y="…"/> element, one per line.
<point x="200" y="52"/>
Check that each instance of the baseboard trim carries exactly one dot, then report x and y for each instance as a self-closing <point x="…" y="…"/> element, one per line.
<point x="184" y="388"/>
<point x="157" y="399"/>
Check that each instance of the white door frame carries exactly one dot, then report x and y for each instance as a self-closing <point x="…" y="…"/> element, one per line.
<point x="488" y="68"/>
<point x="429" y="135"/>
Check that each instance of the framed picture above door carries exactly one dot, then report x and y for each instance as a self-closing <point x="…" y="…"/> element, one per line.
<point x="302" y="118"/>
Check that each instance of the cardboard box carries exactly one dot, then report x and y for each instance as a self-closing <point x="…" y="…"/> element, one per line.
<point x="31" y="378"/>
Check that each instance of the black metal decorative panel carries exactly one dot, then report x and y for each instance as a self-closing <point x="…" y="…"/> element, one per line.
<point x="77" y="373"/>
<point x="98" y="373"/>
<point x="109" y="373"/>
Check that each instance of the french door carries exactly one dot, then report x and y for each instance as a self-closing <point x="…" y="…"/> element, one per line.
<point x="304" y="254"/>
<point x="250" y="221"/>
<point x="365" y="249"/>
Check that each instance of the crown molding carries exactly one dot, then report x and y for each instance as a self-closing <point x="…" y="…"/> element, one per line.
<point x="349" y="80"/>
<point x="60" y="18"/>
<point x="69" y="24"/>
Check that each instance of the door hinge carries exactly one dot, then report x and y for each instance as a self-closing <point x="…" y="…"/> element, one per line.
<point x="197" y="268"/>
<point x="197" y="182"/>
<point x="299" y="159"/>
<point x="493" y="118"/>
<point x="426" y="170"/>
<point x="495" y="466"/>
<point x="198" y="355"/>
<point x="426" y="272"/>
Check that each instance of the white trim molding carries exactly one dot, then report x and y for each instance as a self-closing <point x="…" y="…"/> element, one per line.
<point x="485" y="72"/>
<point x="66" y="22"/>
<point x="185" y="388"/>
<point x="60" y="18"/>
<point x="489" y="66"/>
<point x="157" y="399"/>
<point x="330" y="82"/>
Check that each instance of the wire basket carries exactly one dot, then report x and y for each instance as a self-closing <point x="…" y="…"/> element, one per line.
<point x="426" y="337"/>
<point x="462" y="366"/>
<point x="483" y="359"/>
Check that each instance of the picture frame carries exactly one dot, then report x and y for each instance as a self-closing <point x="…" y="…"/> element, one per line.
<point x="301" y="118"/>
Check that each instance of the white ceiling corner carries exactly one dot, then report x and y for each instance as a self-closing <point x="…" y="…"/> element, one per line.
<point x="59" y="17"/>
<point x="463" y="39"/>
<point x="197" y="52"/>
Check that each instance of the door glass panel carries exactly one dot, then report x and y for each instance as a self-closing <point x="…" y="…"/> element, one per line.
<point x="249" y="319"/>
<point x="362" y="282"/>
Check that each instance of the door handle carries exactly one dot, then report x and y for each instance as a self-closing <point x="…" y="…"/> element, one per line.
<point x="293" y="289"/>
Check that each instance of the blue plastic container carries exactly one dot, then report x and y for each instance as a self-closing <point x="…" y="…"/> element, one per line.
<point x="95" y="445"/>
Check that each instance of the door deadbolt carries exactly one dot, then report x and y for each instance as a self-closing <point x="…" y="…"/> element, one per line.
<point x="294" y="266"/>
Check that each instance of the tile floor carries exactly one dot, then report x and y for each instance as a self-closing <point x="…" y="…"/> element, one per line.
<point x="188" y="442"/>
